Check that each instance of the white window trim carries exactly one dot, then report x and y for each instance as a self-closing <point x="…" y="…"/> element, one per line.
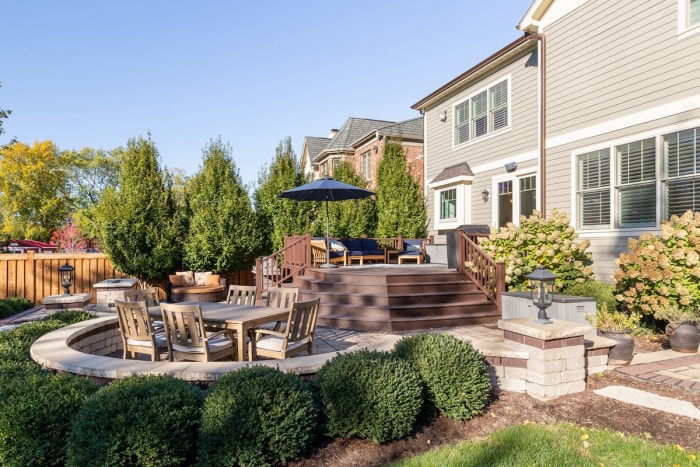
<point x="683" y="30"/>
<point x="515" y="178"/>
<point x="463" y="186"/>
<point x="489" y="134"/>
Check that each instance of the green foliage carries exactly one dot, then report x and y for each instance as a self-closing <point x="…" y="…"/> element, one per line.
<point x="603" y="292"/>
<point x="140" y="420"/>
<point x="13" y="305"/>
<point x="676" y="315"/>
<point x="22" y="337"/>
<point x="223" y="231"/>
<point x="369" y="394"/>
<point x="138" y="221"/>
<point x="281" y="216"/>
<point x="34" y="187"/>
<point x="550" y="243"/>
<point x="400" y="205"/>
<point x="455" y="374"/>
<point x="36" y="411"/>
<point x="351" y="218"/>
<point x="66" y="317"/>
<point x="606" y="319"/>
<point x="256" y="416"/>
<point x="664" y="270"/>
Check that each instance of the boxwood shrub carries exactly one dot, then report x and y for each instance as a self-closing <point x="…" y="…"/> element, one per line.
<point x="369" y="394"/>
<point x="36" y="411"/>
<point x="256" y="416"/>
<point x="455" y="374"/>
<point x="140" y="420"/>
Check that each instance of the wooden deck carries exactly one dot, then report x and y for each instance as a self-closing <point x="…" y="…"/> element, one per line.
<point x="395" y="297"/>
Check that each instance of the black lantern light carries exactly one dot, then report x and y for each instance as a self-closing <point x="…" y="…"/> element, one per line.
<point x="66" y="273"/>
<point x="541" y="292"/>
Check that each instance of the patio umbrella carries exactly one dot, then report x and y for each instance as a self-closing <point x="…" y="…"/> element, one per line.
<point x="326" y="189"/>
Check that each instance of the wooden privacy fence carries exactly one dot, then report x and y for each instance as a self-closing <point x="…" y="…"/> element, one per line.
<point x="35" y="275"/>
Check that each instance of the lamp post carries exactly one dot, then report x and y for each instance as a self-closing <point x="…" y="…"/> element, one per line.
<point x="542" y="292"/>
<point x="66" y="274"/>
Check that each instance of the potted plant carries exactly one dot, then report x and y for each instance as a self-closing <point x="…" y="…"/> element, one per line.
<point x="682" y="328"/>
<point x="616" y="326"/>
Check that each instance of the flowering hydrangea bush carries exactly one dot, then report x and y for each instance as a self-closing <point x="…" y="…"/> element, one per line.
<point x="550" y="243"/>
<point x="664" y="270"/>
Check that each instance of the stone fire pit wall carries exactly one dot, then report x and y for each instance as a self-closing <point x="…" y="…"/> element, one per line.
<point x="109" y="290"/>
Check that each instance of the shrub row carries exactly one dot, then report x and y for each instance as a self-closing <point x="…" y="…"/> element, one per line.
<point x="252" y="416"/>
<point x="13" y="305"/>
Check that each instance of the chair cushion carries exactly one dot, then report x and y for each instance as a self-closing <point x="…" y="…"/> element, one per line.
<point x="412" y="246"/>
<point x="371" y="247"/>
<point x="160" y="340"/>
<point x="274" y="344"/>
<point x="212" y="279"/>
<point x="337" y="245"/>
<point x="216" y="344"/>
<point x="200" y="278"/>
<point x="188" y="277"/>
<point x="199" y="289"/>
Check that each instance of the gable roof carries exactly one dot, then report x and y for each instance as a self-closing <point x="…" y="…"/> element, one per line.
<point x="453" y="172"/>
<point x="314" y="145"/>
<point x="408" y="130"/>
<point x="352" y="130"/>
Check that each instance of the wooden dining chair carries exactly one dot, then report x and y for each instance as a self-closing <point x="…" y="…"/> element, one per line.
<point x="138" y="334"/>
<point x="241" y="294"/>
<point x="280" y="297"/>
<point x="187" y="338"/>
<point x="148" y="295"/>
<point x="298" y="334"/>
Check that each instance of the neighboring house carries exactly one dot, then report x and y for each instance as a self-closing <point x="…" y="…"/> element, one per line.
<point x="360" y="142"/>
<point x="24" y="246"/>
<point x="595" y="111"/>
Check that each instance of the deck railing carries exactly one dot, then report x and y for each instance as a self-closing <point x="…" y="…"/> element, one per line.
<point x="280" y="266"/>
<point x="488" y="275"/>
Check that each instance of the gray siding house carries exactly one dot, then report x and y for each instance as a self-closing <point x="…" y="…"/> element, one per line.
<point x="595" y="111"/>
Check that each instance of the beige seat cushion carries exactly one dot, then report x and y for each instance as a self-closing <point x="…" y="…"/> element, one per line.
<point x="188" y="277"/>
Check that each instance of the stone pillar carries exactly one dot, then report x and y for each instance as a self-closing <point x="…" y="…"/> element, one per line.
<point x="557" y="364"/>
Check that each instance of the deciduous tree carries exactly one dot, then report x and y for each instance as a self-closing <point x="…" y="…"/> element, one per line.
<point x="223" y="229"/>
<point x="34" y="198"/>
<point x="400" y="205"/>
<point x="138" y="222"/>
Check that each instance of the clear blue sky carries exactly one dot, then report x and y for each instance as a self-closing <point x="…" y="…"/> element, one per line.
<point x="87" y="73"/>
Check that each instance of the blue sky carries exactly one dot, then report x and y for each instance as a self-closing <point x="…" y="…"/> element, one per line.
<point x="86" y="73"/>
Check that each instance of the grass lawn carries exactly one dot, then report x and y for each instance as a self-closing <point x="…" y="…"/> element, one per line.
<point x="561" y="444"/>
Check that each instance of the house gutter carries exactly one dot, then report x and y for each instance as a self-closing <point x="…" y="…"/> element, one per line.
<point x="543" y="118"/>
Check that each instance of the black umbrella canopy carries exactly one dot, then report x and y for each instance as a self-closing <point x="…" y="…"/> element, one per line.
<point x="326" y="189"/>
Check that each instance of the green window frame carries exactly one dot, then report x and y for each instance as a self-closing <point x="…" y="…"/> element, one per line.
<point x="693" y="13"/>
<point x="482" y="113"/>
<point x="448" y="204"/>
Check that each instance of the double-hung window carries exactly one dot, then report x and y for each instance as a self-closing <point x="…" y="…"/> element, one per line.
<point x="367" y="165"/>
<point x="636" y="183"/>
<point x="448" y="204"/>
<point x="482" y="113"/>
<point x="681" y="153"/>
<point x="693" y="13"/>
<point x="593" y="189"/>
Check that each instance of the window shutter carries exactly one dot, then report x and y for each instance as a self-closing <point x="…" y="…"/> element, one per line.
<point x="462" y="122"/>
<point x="682" y="166"/>
<point x="636" y="183"/>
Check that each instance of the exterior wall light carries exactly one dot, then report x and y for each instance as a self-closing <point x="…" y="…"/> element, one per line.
<point x="485" y="195"/>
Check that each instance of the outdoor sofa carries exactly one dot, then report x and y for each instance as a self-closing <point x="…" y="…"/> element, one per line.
<point x="189" y="286"/>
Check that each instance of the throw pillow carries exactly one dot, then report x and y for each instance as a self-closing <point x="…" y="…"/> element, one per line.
<point x="188" y="277"/>
<point x="212" y="279"/>
<point x="177" y="280"/>
<point x="200" y="278"/>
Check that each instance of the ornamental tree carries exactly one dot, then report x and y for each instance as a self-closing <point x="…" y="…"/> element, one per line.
<point x="400" y="205"/>
<point x="137" y="220"/>
<point x="223" y="229"/>
<point x="69" y="238"/>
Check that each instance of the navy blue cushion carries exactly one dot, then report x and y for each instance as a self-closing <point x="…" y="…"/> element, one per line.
<point x="353" y="245"/>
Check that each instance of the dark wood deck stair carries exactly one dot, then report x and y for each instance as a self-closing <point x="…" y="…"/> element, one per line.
<point x="386" y="298"/>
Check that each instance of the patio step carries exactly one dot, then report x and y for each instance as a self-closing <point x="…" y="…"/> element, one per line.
<point x="395" y="299"/>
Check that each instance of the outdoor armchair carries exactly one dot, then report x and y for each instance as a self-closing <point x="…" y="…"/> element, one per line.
<point x="187" y="338"/>
<point x="413" y="250"/>
<point x="138" y="334"/>
<point x="241" y="294"/>
<point x="298" y="334"/>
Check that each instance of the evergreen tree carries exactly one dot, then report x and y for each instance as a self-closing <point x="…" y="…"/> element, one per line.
<point x="223" y="229"/>
<point x="138" y="227"/>
<point x="351" y="218"/>
<point x="400" y="205"/>
<point x="281" y="216"/>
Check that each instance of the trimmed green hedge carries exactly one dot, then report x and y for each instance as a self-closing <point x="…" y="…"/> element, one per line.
<point x="455" y="374"/>
<point x="140" y="420"/>
<point x="369" y="394"/>
<point x="256" y="416"/>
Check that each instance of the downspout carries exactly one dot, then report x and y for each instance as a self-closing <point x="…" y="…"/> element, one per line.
<point x="543" y="118"/>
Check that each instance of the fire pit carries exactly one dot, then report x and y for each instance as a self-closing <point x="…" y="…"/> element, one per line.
<point x="108" y="290"/>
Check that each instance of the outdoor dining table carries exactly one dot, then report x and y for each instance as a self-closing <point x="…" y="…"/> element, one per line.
<point x="239" y="318"/>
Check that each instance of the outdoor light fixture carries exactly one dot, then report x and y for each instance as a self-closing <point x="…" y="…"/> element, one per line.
<point x="485" y="195"/>
<point x="443" y="116"/>
<point x="511" y="166"/>
<point x="542" y="291"/>
<point x="66" y="274"/>
<point x="375" y="149"/>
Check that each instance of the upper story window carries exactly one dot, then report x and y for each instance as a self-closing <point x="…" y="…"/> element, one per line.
<point x="367" y="165"/>
<point x="482" y="113"/>
<point x="448" y="204"/>
<point x="681" y="153"/>
<point x="693" y="13"/>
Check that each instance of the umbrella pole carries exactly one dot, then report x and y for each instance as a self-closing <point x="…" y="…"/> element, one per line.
<point x="328" y="242"/>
